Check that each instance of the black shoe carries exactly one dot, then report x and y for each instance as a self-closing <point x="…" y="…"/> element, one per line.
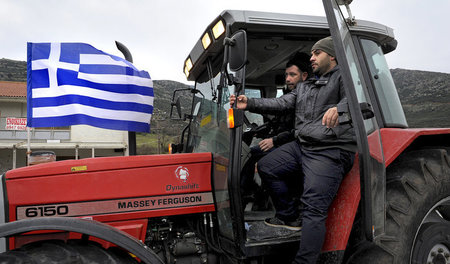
<point x="276" y="222"/>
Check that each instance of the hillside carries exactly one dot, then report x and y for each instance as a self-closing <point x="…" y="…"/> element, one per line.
<point x="425" y="96"/>
<point x="11" y="70"/>
<point x="163" y="91"/>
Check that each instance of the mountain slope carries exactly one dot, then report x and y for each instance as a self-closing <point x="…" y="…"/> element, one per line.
<point x="425" y="97"/>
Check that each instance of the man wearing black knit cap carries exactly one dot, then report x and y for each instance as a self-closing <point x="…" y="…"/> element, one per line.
<point x="321" y="155"/>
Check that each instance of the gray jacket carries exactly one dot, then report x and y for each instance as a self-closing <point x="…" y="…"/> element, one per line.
<point x="311" y="99"/>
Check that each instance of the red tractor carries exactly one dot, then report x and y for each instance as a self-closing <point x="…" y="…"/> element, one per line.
<point x="393" y="206"/>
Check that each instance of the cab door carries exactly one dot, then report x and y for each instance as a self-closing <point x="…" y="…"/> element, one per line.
<point x="371" y="158"/>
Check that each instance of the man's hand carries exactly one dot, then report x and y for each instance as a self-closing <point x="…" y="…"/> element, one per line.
<point x="330" y="119"/>
<point x="266" y="144"/>
<point x="241" y="101"/>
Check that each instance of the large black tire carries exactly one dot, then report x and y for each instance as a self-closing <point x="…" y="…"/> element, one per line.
<point x="56" y="251"/>
<point x="418" y="209"/>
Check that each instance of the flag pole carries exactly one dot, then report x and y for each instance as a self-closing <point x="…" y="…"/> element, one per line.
<point x="131" y="134"/>
<point x="28" y="144"/>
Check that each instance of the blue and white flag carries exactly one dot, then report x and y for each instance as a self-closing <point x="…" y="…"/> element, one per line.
<point x="74" y="83"/>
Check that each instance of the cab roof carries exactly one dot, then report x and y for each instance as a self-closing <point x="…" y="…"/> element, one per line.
<point x="273" y="37"/>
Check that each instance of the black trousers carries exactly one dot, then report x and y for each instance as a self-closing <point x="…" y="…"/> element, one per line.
<point x="248" y="185"/>
<point x="321" y="173"/>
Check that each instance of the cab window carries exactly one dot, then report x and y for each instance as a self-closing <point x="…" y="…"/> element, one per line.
<point x="387" y="95"/>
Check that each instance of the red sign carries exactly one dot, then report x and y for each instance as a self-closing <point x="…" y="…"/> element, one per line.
<point x="15" y="123"/>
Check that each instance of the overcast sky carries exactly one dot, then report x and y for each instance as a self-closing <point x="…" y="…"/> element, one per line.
<point x="161" y="33"/>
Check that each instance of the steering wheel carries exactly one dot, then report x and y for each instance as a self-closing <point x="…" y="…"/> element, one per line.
<point x="253" y="130"/>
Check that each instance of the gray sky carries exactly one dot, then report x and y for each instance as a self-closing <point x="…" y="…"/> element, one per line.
<point x="161" y="33"/>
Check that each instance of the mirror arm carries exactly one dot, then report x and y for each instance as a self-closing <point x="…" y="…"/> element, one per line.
<point x="229" y="41"/>
<point x="211" y="80"/>
<point x="238" y="80"/>
<point x="180" y="146"/>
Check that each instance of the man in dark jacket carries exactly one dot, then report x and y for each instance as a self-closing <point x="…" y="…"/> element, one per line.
<point x="281" y="126"/>
<point x="322" y="154"/>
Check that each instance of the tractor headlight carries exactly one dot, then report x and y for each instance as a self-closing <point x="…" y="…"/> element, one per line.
<point x="218" y="29"/>
<point x="206" y="40"/>
<point x="187" y="66"/>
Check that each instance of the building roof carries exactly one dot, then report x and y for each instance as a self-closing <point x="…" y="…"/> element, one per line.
<point x="13" y="89"/>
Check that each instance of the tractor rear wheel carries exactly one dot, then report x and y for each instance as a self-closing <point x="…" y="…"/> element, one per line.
<point x="57" y="251"/>
<point x="417" y="211"/>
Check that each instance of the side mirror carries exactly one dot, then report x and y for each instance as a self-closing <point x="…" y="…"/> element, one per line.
<point x="237" y="50"/>
<point x="177" y="104"/>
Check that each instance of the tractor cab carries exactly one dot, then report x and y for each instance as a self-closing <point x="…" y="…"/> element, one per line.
<point x="245" y="52"/>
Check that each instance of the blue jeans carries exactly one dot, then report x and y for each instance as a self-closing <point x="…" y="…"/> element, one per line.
<point x="321" y="173"/>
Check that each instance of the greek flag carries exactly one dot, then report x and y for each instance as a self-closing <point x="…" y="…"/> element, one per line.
<point x="74" y="83"/>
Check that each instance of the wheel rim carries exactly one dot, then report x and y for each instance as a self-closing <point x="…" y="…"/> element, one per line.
<point x="439" y="254"/>
<point x="439" y="213"/>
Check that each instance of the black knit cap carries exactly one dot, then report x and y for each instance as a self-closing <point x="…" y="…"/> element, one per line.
<point x="325" y="44"/>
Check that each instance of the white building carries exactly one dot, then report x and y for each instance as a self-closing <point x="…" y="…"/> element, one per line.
<point x="74" y="142"/>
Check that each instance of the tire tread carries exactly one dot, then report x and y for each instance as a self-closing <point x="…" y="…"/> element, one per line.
<point x="58" y="251"/>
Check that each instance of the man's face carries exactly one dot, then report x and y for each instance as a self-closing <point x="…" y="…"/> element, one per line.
<point x="320" y="62"/>
<point x="293" y="76"/>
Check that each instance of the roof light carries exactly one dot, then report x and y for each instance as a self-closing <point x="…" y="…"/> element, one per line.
<point x="206" y="40"/>
<point x="187" y="66"/>
<point x="218" y="29"/>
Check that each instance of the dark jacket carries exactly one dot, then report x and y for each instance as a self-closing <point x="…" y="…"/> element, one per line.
<point x="283" y="130"/>
<point x="281" y="126"/>
<point x="311" y="99"/>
